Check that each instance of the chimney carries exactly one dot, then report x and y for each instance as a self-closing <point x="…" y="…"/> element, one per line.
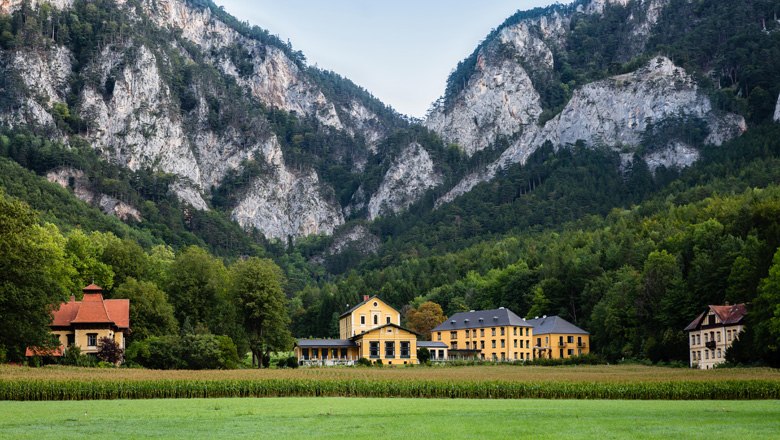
<point x="365" y="298"/>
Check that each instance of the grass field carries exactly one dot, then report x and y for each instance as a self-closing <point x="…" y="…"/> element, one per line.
<point x="507" y="373"/>
<point x="341" y="418"/>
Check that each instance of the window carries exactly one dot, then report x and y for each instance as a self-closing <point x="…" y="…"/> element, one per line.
<point x="305" y="353"/>
<point x="493" y="331"/>
<point x="454" y="345"/>
<point x="389" y="349"/>
<point x="324" y="352"/>
<point x="91" y="339"/>
<point x="515" y="355"/>
<point x="334" y="353"/>
<point x="441" y="354"/>
<point x="467" y="345"/>
<point x="579" y="341"/>
<point x="495" y="358"/>
<point x="482" y="344"/>
<point x="706" y="354"/>
<point x="376" y="319"/>
<point x="376" y="304"/>
<point x="571" y="352"/>
<point x="728" y="335"/>
<point x="502" y="343"/>
<point x="482" y="333"/>
<point x="522" y="356"/>
<point x="705" y="337"/>
<point x="388" y="320"/>
<point x="503" y="356"/>
<point x="528" y="331"/>
<point x="494" y="343"/>
<point x="561" y="352"/>
<point x="718" y="336"/>
<point x="570" y="339"/>
<point x="538" y="342"/>
<point x="71" y="339"/>
<point x="453" y="335"/>
<point x="482" y="356"/>
<point x="343" y="353"/>
<point x="502" y="331"/>
<point x="373" y="349"/>
<point x="315" y="353"/>
<point x="693" y="339"/>
<point x="514" y="332"/>
<point x="362" y="319"/>
<point x="719" y="353"/>
<point x="475" y="333"/>
<point x="521" y="343"/>
<point x="515" y="343"/>
<point x="438" y="336"/>
<point x="405" y="349"/>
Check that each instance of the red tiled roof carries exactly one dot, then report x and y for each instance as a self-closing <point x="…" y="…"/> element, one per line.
<point x="35" y="351"/>
<point x="93" y="309"/>
<point x="728" y="315"/>
<point x="119" y="311"/>
<point x="66" y="313"/>
<point x="92" y="288"/>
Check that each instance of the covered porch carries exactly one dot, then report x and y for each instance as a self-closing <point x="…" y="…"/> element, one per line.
<point x="326" y="352"/>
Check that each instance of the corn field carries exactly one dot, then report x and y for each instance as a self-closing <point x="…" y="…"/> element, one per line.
<point x="174" y="389"/>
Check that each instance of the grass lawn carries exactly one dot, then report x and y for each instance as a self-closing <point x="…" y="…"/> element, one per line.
<point x="385" y="418"/>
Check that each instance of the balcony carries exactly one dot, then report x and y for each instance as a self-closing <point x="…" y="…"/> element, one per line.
<point x="581" y="345"/>
<point x="561" y="345"/>
<point x="710" y="345"/>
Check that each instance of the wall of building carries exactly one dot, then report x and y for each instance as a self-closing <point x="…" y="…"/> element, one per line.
<point x="705" y="357"/>
<point x="485" y="339"/>
<point x="374" y="313"/>
<point x="388" y="334"/>
<point x="561" y="345"/>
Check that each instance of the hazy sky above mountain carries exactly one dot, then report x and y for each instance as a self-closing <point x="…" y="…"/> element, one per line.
<point x="399" y="50"/>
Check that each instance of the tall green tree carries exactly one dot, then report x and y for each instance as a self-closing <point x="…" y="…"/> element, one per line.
<point x="150" y="312"/>
<point x="256" y="287"/>
<point x="34" y="278"/>
<point x="196" y="285"/>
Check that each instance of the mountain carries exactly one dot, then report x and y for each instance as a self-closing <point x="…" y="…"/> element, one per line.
<point x="535" y="80"/>
<point x="182" y="88"/>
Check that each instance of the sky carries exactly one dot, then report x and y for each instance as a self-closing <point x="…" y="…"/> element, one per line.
<point x="399" y="50"/>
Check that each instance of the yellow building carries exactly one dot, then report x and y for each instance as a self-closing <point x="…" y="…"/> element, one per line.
<point x="371" y="330"/>
<point x="557" y="338"/>
<point x="492" y="335"/>
<point x="84" y="323"/>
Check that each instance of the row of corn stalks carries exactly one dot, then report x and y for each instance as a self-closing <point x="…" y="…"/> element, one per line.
<point x="171" y="389"/>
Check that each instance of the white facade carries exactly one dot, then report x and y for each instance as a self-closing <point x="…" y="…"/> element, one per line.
<point x="710" y="340"/>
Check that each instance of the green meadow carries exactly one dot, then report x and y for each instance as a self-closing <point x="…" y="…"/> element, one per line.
<point x="292" y="418"/>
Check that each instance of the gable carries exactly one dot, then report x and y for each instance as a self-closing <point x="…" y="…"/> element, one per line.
<point x="387" y="331"/>
<point x="371" y="307"/>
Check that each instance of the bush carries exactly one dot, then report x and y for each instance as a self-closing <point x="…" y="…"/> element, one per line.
<point x="423" y="355"/>
<point x="364" y="362"/>
<point x="73" y="356"/>
<point x="192" y="351"/>
<point x="110" y="352"/>
<point x="292" y="362"/>
<point x="378" y="363"/>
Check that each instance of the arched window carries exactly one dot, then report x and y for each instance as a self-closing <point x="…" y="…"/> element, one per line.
<point x="376" y="319"/>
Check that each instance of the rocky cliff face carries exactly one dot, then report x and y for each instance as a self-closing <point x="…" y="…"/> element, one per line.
<point x="500" y="100"/>
<point x="410" y="176"/>
<point x="137" y="122"/>
<point x="617" y="112"/>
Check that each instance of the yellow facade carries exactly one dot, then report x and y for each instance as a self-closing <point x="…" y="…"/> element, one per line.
<point x="391" y="344"/>
<point x="81" y="338"/>
<point x="371" y="314"/>
<point x="561" y="345"/>
<point x="501" y="343"/>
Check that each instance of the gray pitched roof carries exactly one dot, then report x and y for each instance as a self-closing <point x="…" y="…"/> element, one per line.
<point x="482" y="318"/>
<point x="431" y="344"/>
<point x="555" y="324"/>
<point x="325" y="343"/>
